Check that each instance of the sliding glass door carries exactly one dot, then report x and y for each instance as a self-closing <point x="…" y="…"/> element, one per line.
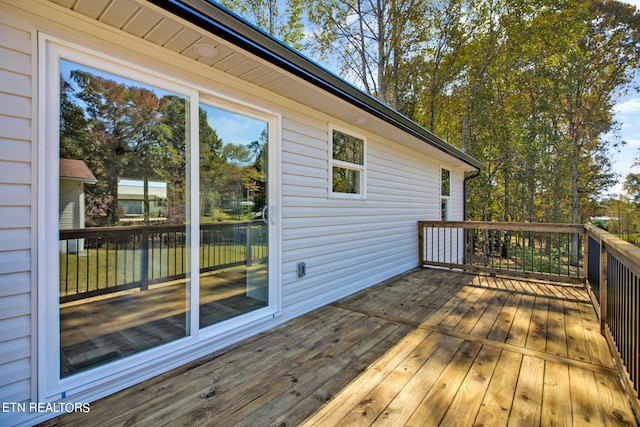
<point x="164" y="230"/>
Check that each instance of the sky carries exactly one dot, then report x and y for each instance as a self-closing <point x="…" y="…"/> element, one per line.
<point x="234" y="128"/>
<point x="627" y="113"/>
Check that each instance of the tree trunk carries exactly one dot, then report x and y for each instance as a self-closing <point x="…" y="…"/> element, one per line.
<point x="575" y="203"/>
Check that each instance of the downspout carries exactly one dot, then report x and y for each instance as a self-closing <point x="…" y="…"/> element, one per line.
<point x="464" y="192"/>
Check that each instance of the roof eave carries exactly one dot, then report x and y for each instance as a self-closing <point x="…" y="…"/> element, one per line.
<point x="217" y="20"/>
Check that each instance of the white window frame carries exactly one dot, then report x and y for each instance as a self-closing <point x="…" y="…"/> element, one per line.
<point x="445" y="199"/>
<point x="132" y="369"/>
<point x="347" y="165"/>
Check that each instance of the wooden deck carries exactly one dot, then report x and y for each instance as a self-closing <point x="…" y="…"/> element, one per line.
<point x="426" y="348"/>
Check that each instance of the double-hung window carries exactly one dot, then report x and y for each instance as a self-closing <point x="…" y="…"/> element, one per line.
<point x="347" y="164"/>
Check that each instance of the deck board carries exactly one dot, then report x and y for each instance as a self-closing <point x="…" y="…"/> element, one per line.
<point x="428" y="347"/>
<point x="527" y="400"/>
<point x="404" y="404"/>
<point x="496" y="404"/>
<point x="556" y="407"/>
<point x="437" y="401"/>
<point x="556" y="333"/>
<point x="583" y="383"/>
<point x="468" y="399"/>
<point x="537" y="336"/>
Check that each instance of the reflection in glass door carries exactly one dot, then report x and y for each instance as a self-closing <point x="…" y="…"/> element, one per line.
<point x="234" y="232"/>
<point x="123" y="191"/>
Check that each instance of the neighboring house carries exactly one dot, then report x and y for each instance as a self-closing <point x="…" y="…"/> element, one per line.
<point x="131" y="200"/>
<point x="336" y="180"/>
<point x="74" y="174"/>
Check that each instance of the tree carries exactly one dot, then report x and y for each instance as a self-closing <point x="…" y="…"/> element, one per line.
<point x="280" y="18"/>
<point x="126" y="133"/>
<point x="600" y="60"/>
<point x="103" y="102"/>
<point x="372" y="42"/>
<point x="550" y="71"/>
<point x="632" y="186"/>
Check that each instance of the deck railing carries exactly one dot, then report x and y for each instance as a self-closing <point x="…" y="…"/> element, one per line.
<point x="95" y="261"/>
<point x="614" y="281"/>
<point x="522" y="249"/>
<point x="608" y="266"/>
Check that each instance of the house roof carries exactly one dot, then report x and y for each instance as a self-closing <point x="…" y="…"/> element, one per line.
<point x="76" y="170"/>
<point x="219" y="21"/>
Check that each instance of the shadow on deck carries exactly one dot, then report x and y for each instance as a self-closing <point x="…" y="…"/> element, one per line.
<point x="428" y="347"/>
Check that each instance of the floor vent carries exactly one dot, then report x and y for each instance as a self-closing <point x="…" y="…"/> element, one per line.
<point x="94" y="361"/>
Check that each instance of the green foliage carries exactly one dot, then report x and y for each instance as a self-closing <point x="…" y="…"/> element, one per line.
<point x="624" y="217"/>
<point x="527" y="87"/>
<point x="601" y="223"/>
<point x="632" y="186"/>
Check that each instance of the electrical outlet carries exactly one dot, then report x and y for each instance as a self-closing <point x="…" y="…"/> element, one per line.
<point x="302" y="269"/>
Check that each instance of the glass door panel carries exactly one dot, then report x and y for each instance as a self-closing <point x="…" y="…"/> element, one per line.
<point x="123" y="191"/>
<point x="234" y="232"/>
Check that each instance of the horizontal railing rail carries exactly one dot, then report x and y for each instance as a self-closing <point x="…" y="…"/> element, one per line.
<point x="96" y="261"/>
<point x="549" y="251"/>
<point x="608" y="266"/>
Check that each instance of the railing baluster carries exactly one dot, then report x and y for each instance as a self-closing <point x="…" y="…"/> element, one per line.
<point x="117" y="263"/>
<point x="175" y="253"/>
<point x="144" y="259"/>
<point x="635" y="321"/>
<point x="567" y="245"/>
<point x="66" y="276"/>
<point x="97" y="266"/>
<point x="134" y="255"/>
<point x="106" y="263"/>
<point x="577" y="240"/>
<point x="560" y="256"/>
<point x="160" y="258"/>
<point x="532" y="245"/>
<point x="626" y="279"/>
<point x="126" y="247"/>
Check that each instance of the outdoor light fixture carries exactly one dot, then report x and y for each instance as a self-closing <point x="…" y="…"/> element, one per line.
<point x="206" y="50"/>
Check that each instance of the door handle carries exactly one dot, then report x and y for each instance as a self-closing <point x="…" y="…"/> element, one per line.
<point x="273" y="212"/>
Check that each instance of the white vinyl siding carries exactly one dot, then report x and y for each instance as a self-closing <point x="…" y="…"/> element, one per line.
<point x="350" y="244"/>
<point x="456" y="201"/>
<point x="15" y="211"/>
<point x="69" y="209"/>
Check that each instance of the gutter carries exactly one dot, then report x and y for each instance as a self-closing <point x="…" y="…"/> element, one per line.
<point x="219" y="21"/>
